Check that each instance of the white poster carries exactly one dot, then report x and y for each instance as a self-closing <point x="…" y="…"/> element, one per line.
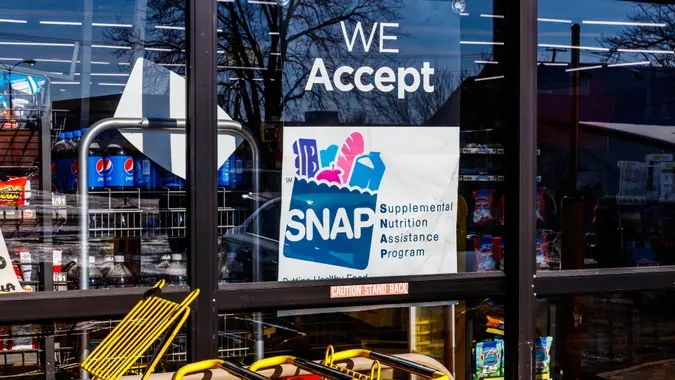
<point x="368" y="201"/>
<point x="8" y="281"/>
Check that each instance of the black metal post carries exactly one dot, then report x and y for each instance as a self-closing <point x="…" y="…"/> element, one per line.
<point x="46" y="270"/>
<point x="202" y="147"/>
<point x="521" y="116"/>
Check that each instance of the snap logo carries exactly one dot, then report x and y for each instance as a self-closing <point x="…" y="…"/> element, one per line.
<point x="333" y="203"/>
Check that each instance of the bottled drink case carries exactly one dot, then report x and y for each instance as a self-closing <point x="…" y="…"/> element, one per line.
<point x="136" y="214"/>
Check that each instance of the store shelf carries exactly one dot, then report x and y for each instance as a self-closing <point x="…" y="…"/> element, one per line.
<point x="482" y="150"/>
<point x="150" y="213"/>
<point x="481" y="178"/>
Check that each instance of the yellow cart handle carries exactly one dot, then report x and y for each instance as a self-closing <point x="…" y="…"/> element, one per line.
<point x="307" y="365"/>
<point x="392" y="361"/>
<point x="206" y="365"/>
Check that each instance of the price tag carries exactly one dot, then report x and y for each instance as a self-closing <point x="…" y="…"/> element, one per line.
<point x="58" y="200"/>
<point x="8" y="280"/>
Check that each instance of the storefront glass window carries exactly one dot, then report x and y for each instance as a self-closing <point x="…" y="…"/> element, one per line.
<point x="443" y="335"/>
<point x="609" y="336"/>
<point x="604" y="197"/>
<point x="66" y="66"/>
<point x="366" y="97"/>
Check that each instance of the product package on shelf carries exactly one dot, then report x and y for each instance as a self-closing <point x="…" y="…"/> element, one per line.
<point x="15" y="192"/>
<point x="483" y="207"/>
<point x="542" y="257"/>
<point x="542" y="348"/>
<point x="23" y="338"/>
<point x="489" y="359"/>
<point x="540" y="205"/>
<point x="486" y="257"/>
<point x="494" y="324"/>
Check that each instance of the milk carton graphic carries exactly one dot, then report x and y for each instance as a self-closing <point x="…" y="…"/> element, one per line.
<point x="368" y="172"/>
<point x="333" y="203"/>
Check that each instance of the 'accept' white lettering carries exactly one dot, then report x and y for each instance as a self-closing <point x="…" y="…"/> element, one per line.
<point x="365" y="79"/>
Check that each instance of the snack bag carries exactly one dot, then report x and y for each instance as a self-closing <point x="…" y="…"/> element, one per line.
<point x="542" y="249"/>
<point x="15" y="192"/>
<point x="495" y="325"/>
<point x="23" y="337"/>
<point x="5" y="338"/>
<point x="500" y="213"/>
<point x="542" y="348"/>
<point x="485" y="260"/>
<point x="498" y="246"/>
<point x="488" y="359"/>
<point x="482" y="209"/>
<point x="540" y="209"/>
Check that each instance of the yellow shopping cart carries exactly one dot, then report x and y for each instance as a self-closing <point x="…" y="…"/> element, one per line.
<point x="151" y="319"/>
<point x="250" y="374"/>
<point x="307" y="365"/>
<point x="392" y="361"/>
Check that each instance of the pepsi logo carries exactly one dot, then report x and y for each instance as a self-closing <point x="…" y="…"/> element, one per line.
<point x="73" y="167"/>
<point x="107" y="166"/>
<point x="99" y="166"/>
<point x="129" y="166"/>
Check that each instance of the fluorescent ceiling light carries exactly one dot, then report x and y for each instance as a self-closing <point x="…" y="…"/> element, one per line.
<point x="574" y="47"/>
<point x="169" y="27"/>
<point x="488" y="78"/>
<point x="158" y="49"/>
<point x="562" y="21"/>
<point x="71" y="23"/>
<point x="96" y="62"/>
<point x="112" y="84"/>
<point x="54" y="72"/>
<point x="262" y="2"/>
<point x="106" y="74"/>
<point x="630" y="64"/>
<point x="172" y="64"/>
<point x="53" y="60"/>
<point x="111" y="47"/>
<point x="491" y="16"/>
<point x="464" y="14"/>
<point x="624" y="23"/>
<point x="35" y="44"/>
<point x="12" y="21"/>
<point x="487" y="62"/>
<point x="219" y="30"/>
<point x="65" y="82"/>
<point x="647" y="51"/>
<point x="11" y="59"/>
<point x="111" y="25"/>
<point x="274" y="33"/>
<point x="584" y="68"/>
<point x="480" y="43"/>
<point x="124" y="63"/>
<point x="275" y="53"/>
<point x="242" y="68"/>
<point x="554" y="63"/>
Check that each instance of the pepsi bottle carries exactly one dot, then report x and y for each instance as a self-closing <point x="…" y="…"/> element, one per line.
<point x="68" y="165"/>
<point x="95" y="180"/>
<point x="57" y="150"/>
<point x="118" y="166"/>
<point x="172" y="181"/>
<point x="224" y="174"/>
<point x="147" y="174"/>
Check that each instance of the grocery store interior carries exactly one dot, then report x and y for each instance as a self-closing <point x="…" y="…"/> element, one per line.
<point x="105" y="124"/>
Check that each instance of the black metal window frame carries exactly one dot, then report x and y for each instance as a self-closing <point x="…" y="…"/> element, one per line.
<point x="519" y="285"/>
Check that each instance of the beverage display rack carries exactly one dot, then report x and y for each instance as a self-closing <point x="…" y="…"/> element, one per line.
<point x="141" y="213"/>
<point x="232" y="344"/>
